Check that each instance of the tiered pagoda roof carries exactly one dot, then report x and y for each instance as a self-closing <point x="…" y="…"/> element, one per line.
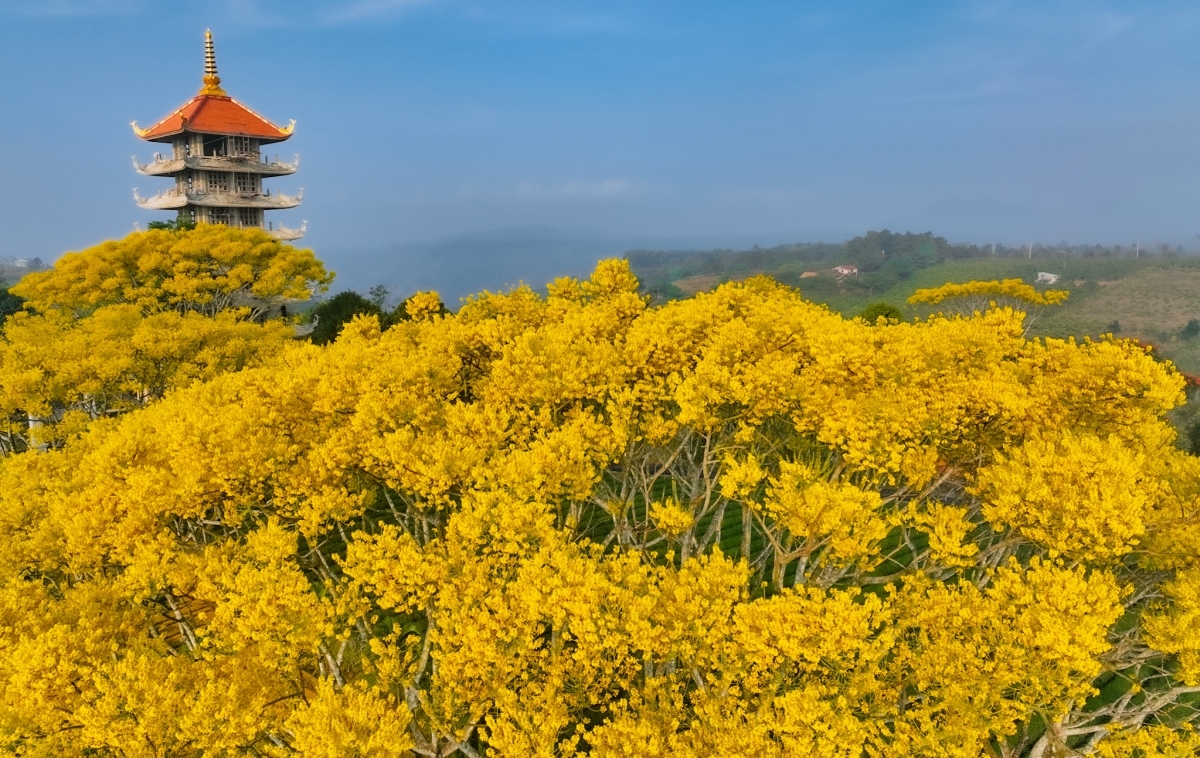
<point x="216" y="160"/>
<point x="213" y="111"/>
<point x="215" y="114"/>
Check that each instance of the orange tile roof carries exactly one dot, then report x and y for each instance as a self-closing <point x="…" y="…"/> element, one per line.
<point x="215" y="114"/>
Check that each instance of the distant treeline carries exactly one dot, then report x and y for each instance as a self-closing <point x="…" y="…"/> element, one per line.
<point x="883" y="259"/>
<point x="9" y="303"/>
<point x="328" y="317"/>
<point x="12" y="267"/>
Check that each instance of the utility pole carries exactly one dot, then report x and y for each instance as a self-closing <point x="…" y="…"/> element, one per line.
<point x="1137" y="250"/>
<point x="1030" y="256"/>
<point x="993" y="249"/>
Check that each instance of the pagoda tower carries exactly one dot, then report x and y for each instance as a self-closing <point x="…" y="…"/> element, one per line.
<point x="216" y="160"/>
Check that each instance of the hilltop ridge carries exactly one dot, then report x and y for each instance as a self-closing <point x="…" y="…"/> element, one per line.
<point x="1150" y="297"/>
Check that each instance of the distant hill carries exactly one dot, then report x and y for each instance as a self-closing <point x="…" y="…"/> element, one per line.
<point x="493" y="260"/>
<point x="461" y="266"/>
<point x="1151" y="297"/>
<point x="882" y="259"/>
<point x="13" y="268"/>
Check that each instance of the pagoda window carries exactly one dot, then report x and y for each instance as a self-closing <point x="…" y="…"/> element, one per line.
<point x="243" y="147"/>
<point x="246" y="184"/>
<point x="218" y="181"/>
<point x="215" y="146"/>
<point x="248" y="217"/>
<point x="218" y="216"/>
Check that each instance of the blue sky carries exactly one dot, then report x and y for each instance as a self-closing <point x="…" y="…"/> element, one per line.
<point x="766" y="121"/>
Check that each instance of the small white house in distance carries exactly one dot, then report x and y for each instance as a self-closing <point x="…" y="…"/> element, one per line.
<point x="847" y="270"/>
<point x="1045" y="277"/>
<point x="21" y="262"/>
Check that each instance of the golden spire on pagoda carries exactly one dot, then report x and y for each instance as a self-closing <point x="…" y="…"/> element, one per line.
<point x="212" y="82"/>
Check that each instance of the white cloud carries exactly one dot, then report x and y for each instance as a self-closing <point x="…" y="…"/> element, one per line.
<point x="363" y="10"/>
<point x="1101" y="29"/>
<point x="539" y="19"/>
<point x="246" y="13"/>
<point x="549" y="19"/>
<point x="72" y="7"/>
<point x="575" y="189"/>
<point x="759" y="196"/>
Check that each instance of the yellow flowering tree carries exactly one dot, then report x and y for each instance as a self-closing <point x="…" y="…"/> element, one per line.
<point x="207" y="269"/>
<point x="577" y="525"/>
<point x="980" y="294"/>
<point x="969" y="297"/>
<point x="62" y="372"/>
<point x="117" y="325"/>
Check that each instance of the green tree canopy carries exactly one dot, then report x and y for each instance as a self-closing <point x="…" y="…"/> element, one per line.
<point x="9" y="303"/>
<point x="337" y="311"/>
<point x="873" y="312"/>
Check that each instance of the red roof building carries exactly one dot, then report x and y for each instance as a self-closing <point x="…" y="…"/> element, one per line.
<point x="216" y="161"/>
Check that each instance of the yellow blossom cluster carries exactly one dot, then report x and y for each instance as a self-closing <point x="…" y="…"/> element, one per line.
<point x="575" y="524"/>
<point x="207" y="269"/>
<point x="118" y="325"/>
<point x="57" y="367"/>
<point x="1014" y="289"/>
